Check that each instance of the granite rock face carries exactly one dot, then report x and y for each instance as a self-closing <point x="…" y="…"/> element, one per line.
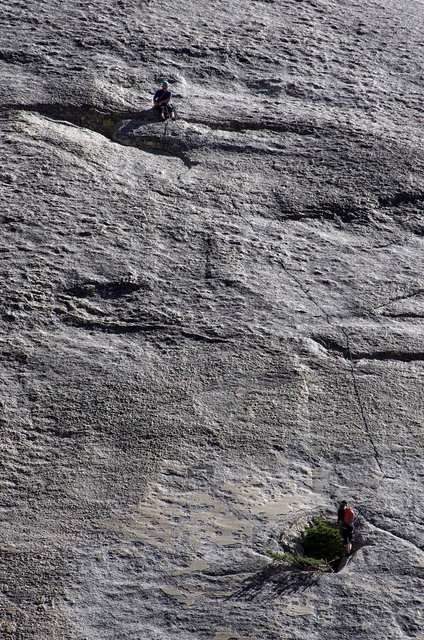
<point x="211" y="329"/>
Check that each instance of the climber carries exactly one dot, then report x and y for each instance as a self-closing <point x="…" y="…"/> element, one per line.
<point x="162" y="101"/>
<point x="345" y="520"/>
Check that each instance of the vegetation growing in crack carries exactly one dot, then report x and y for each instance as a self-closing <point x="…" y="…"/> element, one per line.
<point x="322" y="546"/>
<point x="322" y="541"/>
<point x="305" y="563"/>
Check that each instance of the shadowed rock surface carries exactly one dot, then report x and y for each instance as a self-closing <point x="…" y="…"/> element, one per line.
<point x="211" y="329"/>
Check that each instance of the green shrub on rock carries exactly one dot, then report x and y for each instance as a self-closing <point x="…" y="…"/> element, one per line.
<point x="322" y="547"/>
<point x="323" y="542"/>
<point x="312" y="564"/>
<point x="302" y="562"/>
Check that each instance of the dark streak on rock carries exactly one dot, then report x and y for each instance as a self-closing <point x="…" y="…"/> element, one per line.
<point x="13" y="355"/>
<point x="413" y="294"/>
<point x="274" y="580"/>
<point x="135" y="327"/>
<point x="385" y="355"/>
<point x="202" y="337"/>
<point x="114" y="327"/>
<point x="400" y="356"/>
<point x="18" y="57"/>
<point x="331" y="345"/>
<point x="347" y="213"/>
<point x="208" y="268"/>
<point x="402" y="314"/>
<point x="104" y="290"/>
<point x="398" y="199"/>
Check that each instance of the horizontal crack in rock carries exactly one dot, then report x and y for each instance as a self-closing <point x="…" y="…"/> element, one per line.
<point x="300" y="128"/>
<point x="106" y="124"/>
<point x="106" y="290"/>
<point x="390" y="354"/>
<point x="403" y="314"/>
<point x="401" y="356"/>
<point x="113" y="326"/>
<point x="403" y="197"/>
<point x="123" y="327"/>
<point x="203" y="338"/>
<point x="343" y="212"/>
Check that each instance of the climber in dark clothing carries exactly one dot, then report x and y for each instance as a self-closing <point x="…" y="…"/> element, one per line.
<point x="345" y="520"/>
<point x="162" y="101"/>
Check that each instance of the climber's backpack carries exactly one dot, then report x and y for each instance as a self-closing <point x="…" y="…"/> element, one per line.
<point x="348" y="515"/>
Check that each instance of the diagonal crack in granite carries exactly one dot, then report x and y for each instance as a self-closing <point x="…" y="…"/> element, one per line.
<point x="348" y="355"/>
